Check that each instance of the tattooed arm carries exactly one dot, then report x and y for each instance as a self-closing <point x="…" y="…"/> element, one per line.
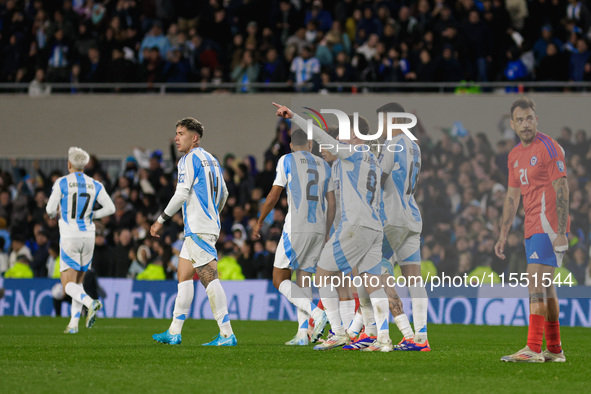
<point x="562" y="197"/>
<point x="509" y="210"/>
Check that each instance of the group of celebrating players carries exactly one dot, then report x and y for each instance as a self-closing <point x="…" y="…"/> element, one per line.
<point x="350" y="213"/>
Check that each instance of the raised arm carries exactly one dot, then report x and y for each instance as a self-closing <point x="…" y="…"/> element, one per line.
<point x="509" y="210"/>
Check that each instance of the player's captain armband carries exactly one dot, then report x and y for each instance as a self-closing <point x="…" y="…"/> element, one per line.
<point x="561" y="249"/>
<point x="560" y="165"/>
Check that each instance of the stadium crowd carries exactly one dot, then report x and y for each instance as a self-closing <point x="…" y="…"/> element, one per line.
<point x="294" y="41"/>
<point x="461" y="192"/>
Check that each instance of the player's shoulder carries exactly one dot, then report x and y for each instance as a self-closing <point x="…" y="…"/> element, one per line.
<point x="517" y="149"/>
<point x="548" y="147"/>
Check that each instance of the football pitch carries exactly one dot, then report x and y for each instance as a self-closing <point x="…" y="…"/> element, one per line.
<point x="119" y="355"/>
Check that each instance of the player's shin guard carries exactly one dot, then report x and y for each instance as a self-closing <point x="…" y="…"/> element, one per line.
<point x="75" y="316"/>
<point x="219" y="306"/>
<point x="184" y="298"/>
<point x="330" y="300"/>
<point x="76" y="291"/>
<point x="366" y="309"/>
<point x="552" y="329"/>
<point x="404" y="326"/>
<point x="379" y="303"/>
<point x="535" y="332"/>
<point x="420" y="304"/>
<point x="347" y="309"/>
<point x="296" y="296"/>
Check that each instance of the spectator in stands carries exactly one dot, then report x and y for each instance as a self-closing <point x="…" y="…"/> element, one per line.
<point x="20" y="268"/>
<point x="578" y="60"/>
<point x="305" y="70"/>
<point x="246" y="73"/>
<point x="154" y="39"/>
<point x="38" y="87"/>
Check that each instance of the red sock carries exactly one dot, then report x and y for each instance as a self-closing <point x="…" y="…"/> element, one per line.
<point x="535" y="334"/>
<point x="553" y="336"/>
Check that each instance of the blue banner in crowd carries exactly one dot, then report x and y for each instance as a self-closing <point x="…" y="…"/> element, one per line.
<point x="259" y="300"/>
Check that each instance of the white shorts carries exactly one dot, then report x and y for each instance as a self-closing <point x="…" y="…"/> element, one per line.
<point x="353" y="246"/>
<point x="199" y="249"/>
<point x="400" y="245"/>
<point x="299" y="251"/>
<point x="76" y="253"/>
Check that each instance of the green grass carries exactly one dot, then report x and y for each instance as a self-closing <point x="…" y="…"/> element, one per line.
<point x="118" y="355"/>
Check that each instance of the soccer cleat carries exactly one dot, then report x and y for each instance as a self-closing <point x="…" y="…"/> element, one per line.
<point x="410" y="345"/>
<point x="167" y="338"/>
<point x="525" y="355"/>
<point x="554" y="357"/>
<point x="378" y="346"/>
<point x="360" y="343"/>
<point x="298" y="340"/>
<point x="319" y="325"/>
<point x="333" y="341"/>
<point x="219" y="340"/>
<point x="71" y="330"/>
<point x="91" y="318"/>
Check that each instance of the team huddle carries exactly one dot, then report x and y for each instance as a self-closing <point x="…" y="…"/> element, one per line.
<point x="351" y="213"/>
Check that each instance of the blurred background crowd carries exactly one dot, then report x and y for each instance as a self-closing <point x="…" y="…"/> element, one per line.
<point x="306" y="43"/>
<point x="460" y="192"/>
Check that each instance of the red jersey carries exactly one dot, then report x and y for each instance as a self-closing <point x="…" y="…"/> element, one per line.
<point x="533" y="169"/>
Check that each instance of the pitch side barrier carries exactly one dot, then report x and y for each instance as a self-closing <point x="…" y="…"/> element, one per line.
<point x="259" y="300"/>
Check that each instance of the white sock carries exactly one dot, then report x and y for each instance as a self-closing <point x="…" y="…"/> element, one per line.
<point x="356" y="325"/>
<point x="219" y="306"/>
<point x="379" y="303"/>
<point x="76" y="291"/>
<point x="75" y="315"/>
<point x="347" y="309"/>
<point x="302" y="322"/>
<point x="296" y="296"/>
<point x="366" y="309"/>
<point x="184" y="298"/>
<point x="420" y="304"/>
<point x="404" y="326"/>
<point x="330" y="300"/>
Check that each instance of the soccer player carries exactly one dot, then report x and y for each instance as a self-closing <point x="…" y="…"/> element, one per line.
<point x="202" y="193"/>
<point x="400" y="162"/>
<point x="311" y="210"/>
<point x="537" y="171"/>
<point x="75" y="195"/>
<point x="357" y="242"/>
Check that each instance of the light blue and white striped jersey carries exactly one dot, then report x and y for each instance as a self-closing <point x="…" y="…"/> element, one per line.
<point x="304" y="69"/>
<point x="336" y="181"/>
<point x="75" y="194"/>
<point x="307" y="180"/>
<point x="359" y="174"/>
<point x="200" y="173"/>
<point x="401" y="161"/>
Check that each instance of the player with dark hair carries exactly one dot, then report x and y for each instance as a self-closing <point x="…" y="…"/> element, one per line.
<point x="202" y="194"/>
<point x="311" y="202"/>
<point x="537" y="171"/>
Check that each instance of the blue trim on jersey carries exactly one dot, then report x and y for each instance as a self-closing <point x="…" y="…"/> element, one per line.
<point x="188" y="231"/>
<point x="79" y="206"/>
<point x="355" y="158"/>
<point x="399" y="176"/>
<point x="205" y="246"/>
<point x="539" y="250"/>
<point x="289" y="252"/>
<point x="314" y="189"/>
<point x="200" y="188"/>
<point x="216" y="178"/>
<point x="294" y="184"/>
<point x="64" y="202"/>
<point x="547" y="144"/>
<point x="416" y="256"/>
<point x="97" y="187"/>
<point x="550" y="144"/>
<point x="387" y="266"/>
<point x="328" y="174"/>
<point x="339" y="255"/>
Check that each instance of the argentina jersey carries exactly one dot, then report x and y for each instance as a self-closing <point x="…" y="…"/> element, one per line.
<point x="336" y="181"/>
<point x="307" y="180"/>
<point x="400" y="160"/>
<point x="361" y="195"/>
<point x="76" y="195"/>
<point x="200" y="173"/>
